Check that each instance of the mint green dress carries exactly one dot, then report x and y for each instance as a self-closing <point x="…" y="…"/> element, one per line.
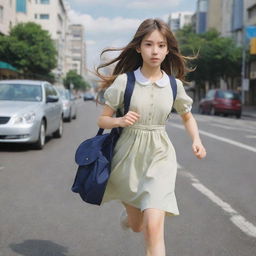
<point x="144" y="167"/>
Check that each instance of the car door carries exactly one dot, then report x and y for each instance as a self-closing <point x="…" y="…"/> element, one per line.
<point x="49" y="110"/>
<point x="57" y="108"/>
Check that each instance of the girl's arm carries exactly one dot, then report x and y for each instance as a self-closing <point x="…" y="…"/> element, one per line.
<point x="107" y="121"/>
<point x="191" y="127"/>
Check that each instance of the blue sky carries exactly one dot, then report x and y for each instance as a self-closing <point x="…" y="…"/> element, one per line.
<point x="112" y="23"/>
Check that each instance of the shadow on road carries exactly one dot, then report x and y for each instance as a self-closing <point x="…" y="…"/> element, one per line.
<point x="39" y="248"/>
<point x="20" y="147"/>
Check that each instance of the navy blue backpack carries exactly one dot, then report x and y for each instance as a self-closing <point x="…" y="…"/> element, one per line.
<point x="94" y="155"/>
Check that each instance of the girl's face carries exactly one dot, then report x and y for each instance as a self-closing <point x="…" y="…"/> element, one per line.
<point x="153" y="49"/>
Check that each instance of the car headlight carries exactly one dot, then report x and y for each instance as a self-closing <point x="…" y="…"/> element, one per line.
<point x="27" y="118"/>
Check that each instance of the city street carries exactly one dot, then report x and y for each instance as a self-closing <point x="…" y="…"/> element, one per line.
<point x="41" y="216"/>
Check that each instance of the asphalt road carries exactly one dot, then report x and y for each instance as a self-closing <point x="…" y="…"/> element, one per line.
<point x="40" y="216"/>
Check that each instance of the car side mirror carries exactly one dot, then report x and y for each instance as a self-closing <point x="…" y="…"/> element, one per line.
<point x="52" y="98"/>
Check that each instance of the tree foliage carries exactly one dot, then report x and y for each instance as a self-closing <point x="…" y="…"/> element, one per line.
<point x="217" y="57"/>
<point x="77" y="80"/>
<point x="30" y="49"/>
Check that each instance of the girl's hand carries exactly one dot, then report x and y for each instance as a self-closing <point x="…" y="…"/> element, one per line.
<point x="129" y="119"/>
<point x="198" y="149"/>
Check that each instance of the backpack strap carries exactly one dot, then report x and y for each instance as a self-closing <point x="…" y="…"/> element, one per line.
<point x="128" y="91"/>
<point x="173" y="84"/>
<point x="127" y="95"/>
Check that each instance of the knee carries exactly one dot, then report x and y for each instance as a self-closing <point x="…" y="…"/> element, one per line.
<point x="136" y="228"/>
<point x="152" y="229"/>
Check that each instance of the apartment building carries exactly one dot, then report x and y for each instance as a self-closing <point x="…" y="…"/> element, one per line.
<point x="52" y="16"/>
<point x="214" y="14"/>
<point x="178" y="20"/>
<point x="201" y="16"/>
<point x="7" y="15"/>
<point x="76" y="49"/>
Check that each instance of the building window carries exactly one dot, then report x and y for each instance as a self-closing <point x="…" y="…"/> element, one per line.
<point x="10" y="2"/>
<point x="44" y="16"/>
<point x="35" y="16"/>
<point x="21" y="6"/>
<point x="44" y="1"/>
<point x="252" y="11"/>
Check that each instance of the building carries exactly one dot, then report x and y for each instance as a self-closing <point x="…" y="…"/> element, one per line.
<point x="76" y="49"/>
<point x="7" y="15"/>
<point x="52" y="16"/>
<point x="201" y="16"/>
<point x="178" y="20"/>
<point x="69" y="39"/>
<point x="250" y="20"/>
<point x="214" y="14"/>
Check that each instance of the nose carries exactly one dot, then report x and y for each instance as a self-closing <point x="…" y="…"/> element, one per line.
<point x="155" y="50"/>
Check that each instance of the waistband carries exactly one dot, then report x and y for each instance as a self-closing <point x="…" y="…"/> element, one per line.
<point x="150" y="127"/>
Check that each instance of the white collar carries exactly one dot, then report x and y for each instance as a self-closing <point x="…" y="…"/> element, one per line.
<point x="140" y="78"/>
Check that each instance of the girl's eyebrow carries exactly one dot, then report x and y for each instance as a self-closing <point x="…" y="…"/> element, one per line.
<point x="160" y="42"/>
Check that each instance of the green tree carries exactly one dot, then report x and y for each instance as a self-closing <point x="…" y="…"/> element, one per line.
<point x="77" y="80"/>
<point x="30" y="49"/>
<point x="218" y="57"/>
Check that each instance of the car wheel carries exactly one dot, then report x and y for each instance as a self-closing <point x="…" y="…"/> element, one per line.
<point x="41" y="137"/>
<point x="238" y="115"/>
<point x="59" y="132"/>
<point x="75" y="116"/>
<point x="69" y="119"/>
<point x="212" y="111"/>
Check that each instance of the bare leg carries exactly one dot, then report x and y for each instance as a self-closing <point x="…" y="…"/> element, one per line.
<point x="153" y="229"/>
<point x="135" y="217"/>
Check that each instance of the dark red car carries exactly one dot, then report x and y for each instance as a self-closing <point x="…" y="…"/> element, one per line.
<point x="219" y="101"/>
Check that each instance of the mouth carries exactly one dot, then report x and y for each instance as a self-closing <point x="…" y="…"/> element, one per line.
<point x="154" y="59"/>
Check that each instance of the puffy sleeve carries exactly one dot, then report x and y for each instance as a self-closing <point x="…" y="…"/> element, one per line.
<point x="183" y="103"/>
<point x="114" y="94"/>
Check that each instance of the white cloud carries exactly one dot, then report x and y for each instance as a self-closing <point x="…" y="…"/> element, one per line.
<point x="90" y="42"/>
<point x="149" y="4"/>
<point x="104" y="24"/>
<point x="134" y="4"/>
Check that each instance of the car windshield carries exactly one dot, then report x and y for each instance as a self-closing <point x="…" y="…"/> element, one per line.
<point x="64" y="94"/>
<point x="228" y="95"/>
<point x="20" y="92"/>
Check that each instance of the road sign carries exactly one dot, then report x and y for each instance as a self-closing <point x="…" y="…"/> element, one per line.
<point x="250" y="31"/>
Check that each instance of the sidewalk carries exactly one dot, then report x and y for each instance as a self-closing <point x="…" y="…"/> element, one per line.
<point x="249" y="111"/>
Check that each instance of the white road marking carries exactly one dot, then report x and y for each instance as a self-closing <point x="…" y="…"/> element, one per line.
<point x="223" y="126"/>
<point x="247" y="227"/>
<point x="251" y="136"/>
<point x="211" y="135"/>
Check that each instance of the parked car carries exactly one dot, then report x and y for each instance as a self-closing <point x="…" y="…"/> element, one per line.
<point x="219" y="101"/>
<point x="88" y="96"/>
<point x="29" y="111"/>
<point x="68" y="104"/>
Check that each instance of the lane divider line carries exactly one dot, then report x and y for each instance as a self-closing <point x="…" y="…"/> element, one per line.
<point x="229" y="141"/>
<point x="238" y="220"/>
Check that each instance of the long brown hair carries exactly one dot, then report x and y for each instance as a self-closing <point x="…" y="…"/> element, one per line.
<point x="129" y="59"/>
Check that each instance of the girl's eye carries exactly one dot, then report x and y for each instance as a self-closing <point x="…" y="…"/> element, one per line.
<point x="147" y="44"/>
<point x="162" y="45"/>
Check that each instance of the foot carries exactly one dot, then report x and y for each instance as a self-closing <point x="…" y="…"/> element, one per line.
<point x="124" y="220"/>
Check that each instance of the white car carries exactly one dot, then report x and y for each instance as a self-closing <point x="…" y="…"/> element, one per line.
<point x="68" y="104"/>
<point x="29" y="111"/>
